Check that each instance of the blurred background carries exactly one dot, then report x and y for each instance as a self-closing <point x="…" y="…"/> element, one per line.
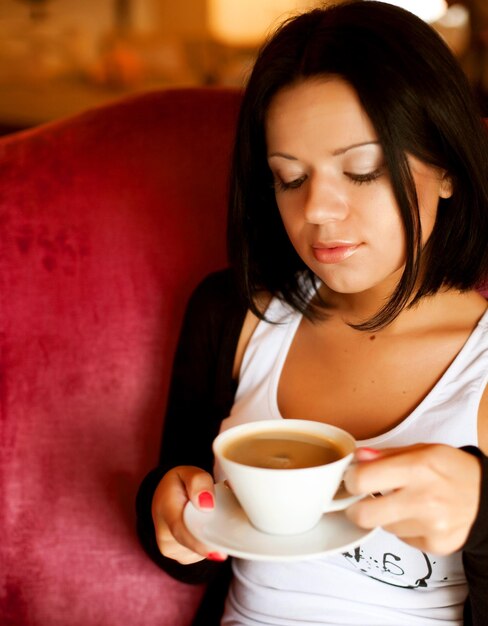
<point x="59" y="57"/>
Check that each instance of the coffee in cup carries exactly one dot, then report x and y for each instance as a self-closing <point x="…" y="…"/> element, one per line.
<point x="285" y="473"/>
<point x="287" y="450"/>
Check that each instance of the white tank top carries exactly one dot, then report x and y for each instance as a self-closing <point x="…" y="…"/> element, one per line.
<point x="383" y="582"/>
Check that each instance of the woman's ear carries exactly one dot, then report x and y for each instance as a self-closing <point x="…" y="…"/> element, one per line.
<point x="445" y="189"/>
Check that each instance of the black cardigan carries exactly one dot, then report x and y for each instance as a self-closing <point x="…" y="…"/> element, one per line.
<point x="201" y="395"/>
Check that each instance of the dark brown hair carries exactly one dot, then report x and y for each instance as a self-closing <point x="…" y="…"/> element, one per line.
<point x="418" y="100"/>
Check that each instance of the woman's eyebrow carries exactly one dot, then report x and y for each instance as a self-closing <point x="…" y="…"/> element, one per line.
<point x="337" y="152"/>
<point x="355" y="145"/>
<point x="283" y="155"/>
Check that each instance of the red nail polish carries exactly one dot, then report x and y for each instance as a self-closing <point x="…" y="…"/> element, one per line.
<point x="206" y="500"/>
<point x="216" y="556"/>
<point x="367" y="454"/>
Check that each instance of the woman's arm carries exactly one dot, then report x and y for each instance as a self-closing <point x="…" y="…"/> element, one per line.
<point x="475" y="550"/>
<point x="201" y="395"/>
<point x="456" y="518"/>
<point x="475" y="554"/>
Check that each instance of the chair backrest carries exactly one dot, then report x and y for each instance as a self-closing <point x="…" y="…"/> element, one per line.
<point x="107" y="222"/>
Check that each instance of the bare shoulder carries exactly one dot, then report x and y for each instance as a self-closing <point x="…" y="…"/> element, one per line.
<point x="479" y="305"/>
<point x="483" y="422"/>
<point x="464" y="309"/>
<point x="248" y="327"/>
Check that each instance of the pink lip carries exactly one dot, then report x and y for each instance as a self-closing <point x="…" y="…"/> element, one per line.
<point x="334" y="251"/>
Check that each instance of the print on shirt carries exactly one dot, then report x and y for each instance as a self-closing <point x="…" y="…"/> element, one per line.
<point x="402" y="566"/>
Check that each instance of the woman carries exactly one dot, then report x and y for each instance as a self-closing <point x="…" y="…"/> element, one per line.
<point x="358" y="220"/>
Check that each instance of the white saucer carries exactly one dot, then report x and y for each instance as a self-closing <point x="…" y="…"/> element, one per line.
<point x="227" y="529"/>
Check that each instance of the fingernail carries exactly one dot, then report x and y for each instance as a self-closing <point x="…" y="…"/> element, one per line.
<point x="216" y="556"/>
<point x="206" y="500"/>
<point x="367" y="454"/>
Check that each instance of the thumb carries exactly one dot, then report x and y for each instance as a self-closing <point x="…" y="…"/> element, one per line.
<point x="200" y="488"/>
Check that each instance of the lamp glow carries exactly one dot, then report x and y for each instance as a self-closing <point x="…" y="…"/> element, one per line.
<point x="428" y="10"/>
<point x="246" y="23"/>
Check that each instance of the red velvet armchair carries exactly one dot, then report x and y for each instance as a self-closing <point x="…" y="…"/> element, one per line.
<point x="107" y="222"/>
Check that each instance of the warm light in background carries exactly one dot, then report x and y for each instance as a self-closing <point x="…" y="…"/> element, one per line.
<point x="240" y="27"/>
<point x="247" y="23"/>
<point x="76" y="55"/>
<point x="428" y="10"/>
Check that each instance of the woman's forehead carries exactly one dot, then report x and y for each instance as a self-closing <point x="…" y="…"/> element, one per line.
<point x="326" y="110"/>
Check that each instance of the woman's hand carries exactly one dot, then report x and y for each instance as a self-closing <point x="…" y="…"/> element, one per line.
<point x="432" y="494"/>
<point x="177" y="486"/>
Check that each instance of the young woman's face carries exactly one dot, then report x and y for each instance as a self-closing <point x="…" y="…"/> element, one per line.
<point x="332" y="190"/>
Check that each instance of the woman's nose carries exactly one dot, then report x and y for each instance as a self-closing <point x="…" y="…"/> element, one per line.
<point x="324" y="202"/>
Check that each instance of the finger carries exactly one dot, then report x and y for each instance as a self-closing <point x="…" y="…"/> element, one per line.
<point x="199" y="487"/>
<point x="371" y="454"/>
<point x="409" y="513"/>
<point x="173" y="550"/>
<point x="367" y="454"/>
<point x="395" y="508"/>
<point x="440" y="545"/>
<point x="169" y="514"/>
<point x="392" y="469"/>
<point x="176" y="551"/>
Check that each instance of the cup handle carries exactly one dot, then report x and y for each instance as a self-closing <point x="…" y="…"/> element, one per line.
<point x="342" y="500"/>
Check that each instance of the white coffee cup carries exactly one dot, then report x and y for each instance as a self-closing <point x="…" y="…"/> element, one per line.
<point x="286" y="501"/>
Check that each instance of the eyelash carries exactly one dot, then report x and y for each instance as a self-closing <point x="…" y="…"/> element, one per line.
<point x="356" y="179"/>
<point x="281" y="185"/>
<point x="361" y="179"/>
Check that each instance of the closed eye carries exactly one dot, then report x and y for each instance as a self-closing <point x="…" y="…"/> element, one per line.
<point x="360" y="179"/>
<point x="282" y="185"/>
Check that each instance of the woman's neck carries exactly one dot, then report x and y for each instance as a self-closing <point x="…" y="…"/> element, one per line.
<point x="446" y="307"/>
